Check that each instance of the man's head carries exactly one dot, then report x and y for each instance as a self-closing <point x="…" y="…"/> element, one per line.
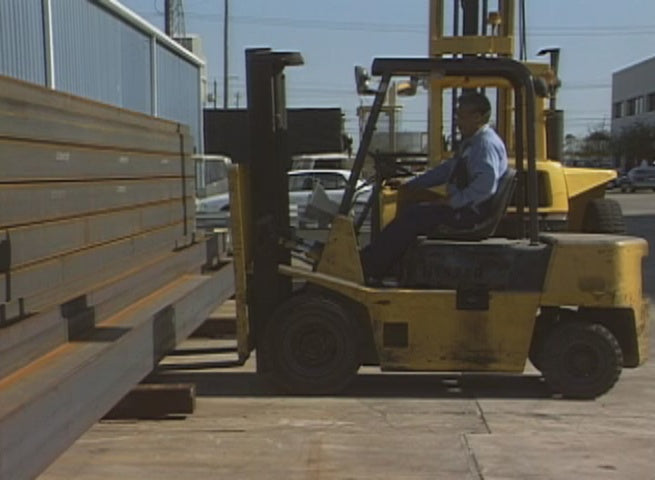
<point x="473" y="111"/>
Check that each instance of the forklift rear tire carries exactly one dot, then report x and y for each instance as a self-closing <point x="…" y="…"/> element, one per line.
<point x="312" y="346"/>
<point x="603" y="215"/>
<point x="581" y="360"/>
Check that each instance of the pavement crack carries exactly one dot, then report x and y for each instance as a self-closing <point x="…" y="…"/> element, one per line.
<point x="482" y="416"/>
<point x="474" y="466"/>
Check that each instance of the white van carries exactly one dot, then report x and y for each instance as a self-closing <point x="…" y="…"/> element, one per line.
<point x="329" y="161"/>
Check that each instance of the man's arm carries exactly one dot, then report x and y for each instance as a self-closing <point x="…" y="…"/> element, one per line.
<point x="435" y="176"/>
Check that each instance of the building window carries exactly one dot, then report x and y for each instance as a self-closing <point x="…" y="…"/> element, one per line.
<point x="631" y="107"/>
<point x="639" y="105"/>
<point x="650" y="102"/>
<point x="616" y="109"/>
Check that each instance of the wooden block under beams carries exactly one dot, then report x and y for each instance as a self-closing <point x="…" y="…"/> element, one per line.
<point x="151" y="401"/>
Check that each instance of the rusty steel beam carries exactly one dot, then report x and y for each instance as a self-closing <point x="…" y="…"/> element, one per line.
<point x="31" y="112"/>
<point x="42" y="241"/>
<point x="27" y="339"/>
<point x="100" y="264"/>
<point x="24" y="160"/>
<point x="44" y="202"/>
<point x="34" y="96"/>
<point x="67" y="276"/>
<point x="50" y="402"/>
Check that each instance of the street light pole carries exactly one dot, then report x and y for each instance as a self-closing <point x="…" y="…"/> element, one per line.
<point x="225" y="53"/>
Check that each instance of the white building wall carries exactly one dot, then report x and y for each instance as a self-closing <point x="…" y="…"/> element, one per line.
<point x="633" y="95"/>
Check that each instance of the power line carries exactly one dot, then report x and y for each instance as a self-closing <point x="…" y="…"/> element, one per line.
<point x="317" y="24"/>
<point x="418" y="29"/>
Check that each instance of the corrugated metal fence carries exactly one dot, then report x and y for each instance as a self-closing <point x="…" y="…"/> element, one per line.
<point x="98" y="50"/>
<point x="21" y="40"/>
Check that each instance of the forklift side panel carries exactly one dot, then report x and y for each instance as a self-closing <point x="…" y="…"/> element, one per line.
<point x="424" y="329"/>
<point x="441" y="337"/>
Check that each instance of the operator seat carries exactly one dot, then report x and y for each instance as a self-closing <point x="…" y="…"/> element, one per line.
<point x="486" y="227"/>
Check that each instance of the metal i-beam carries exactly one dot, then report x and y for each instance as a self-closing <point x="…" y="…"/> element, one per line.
<point x="47" y="404"/>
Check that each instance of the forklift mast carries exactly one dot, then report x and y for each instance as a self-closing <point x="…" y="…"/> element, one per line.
<point x="482" y="34"/>
<point x="266" y="169"/>
<point x="478" y="31"/>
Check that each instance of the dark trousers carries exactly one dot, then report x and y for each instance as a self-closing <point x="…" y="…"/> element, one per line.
<point x="417" y="219"/>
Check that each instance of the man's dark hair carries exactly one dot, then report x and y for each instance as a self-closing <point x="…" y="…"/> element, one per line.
<point x="476" y="102"/>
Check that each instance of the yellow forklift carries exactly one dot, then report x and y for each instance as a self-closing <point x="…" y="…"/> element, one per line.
<point x="571" y="303"/>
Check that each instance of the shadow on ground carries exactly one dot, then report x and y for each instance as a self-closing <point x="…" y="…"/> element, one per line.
<point x="405" y="385"/>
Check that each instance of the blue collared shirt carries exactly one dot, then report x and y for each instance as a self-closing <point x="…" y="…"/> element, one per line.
<point x="486" y="162"/>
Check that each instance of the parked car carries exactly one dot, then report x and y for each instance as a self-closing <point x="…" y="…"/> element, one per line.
<point x="638" y="178"/>
<point x="214" y="211"/>
<point x="321" y="161"/>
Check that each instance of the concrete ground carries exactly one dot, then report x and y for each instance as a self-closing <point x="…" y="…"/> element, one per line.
<point x="387" y="426"/>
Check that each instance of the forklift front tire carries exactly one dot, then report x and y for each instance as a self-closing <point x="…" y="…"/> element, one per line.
<point x="581" y="360"/>
<point x="604" y="215"/>
<point x="312" y="346"/>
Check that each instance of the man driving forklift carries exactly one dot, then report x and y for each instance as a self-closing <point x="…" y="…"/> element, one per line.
<point x="471" y="178"/>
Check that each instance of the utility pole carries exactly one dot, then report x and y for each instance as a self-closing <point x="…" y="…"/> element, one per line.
<point x="168" y="17"/>
<point x="225" y="53"/>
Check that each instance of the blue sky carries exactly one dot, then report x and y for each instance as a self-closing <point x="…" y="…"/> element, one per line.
<point x="597" y="38"/>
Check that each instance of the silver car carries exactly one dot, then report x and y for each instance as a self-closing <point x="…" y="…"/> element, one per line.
<point x="214" y="211"/>
<point x="638" y="178"/>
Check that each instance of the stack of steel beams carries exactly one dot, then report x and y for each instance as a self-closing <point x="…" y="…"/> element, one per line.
<point x="101" y="272"/>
